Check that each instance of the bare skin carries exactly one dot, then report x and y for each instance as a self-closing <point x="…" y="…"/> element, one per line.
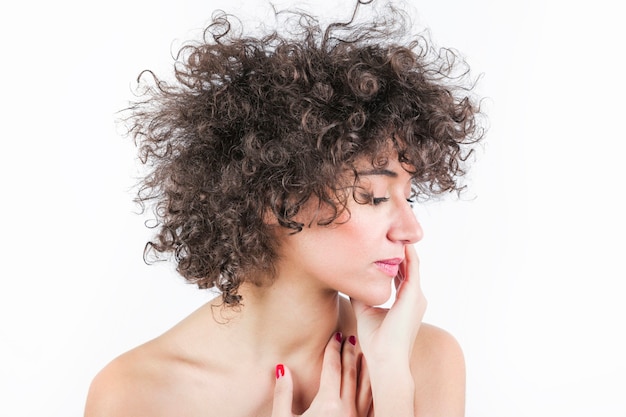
<point x="166" y="378"/>
<point x="219" y="362"/>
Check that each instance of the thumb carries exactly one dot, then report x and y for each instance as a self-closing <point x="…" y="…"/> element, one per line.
<point x="283" y="392"/>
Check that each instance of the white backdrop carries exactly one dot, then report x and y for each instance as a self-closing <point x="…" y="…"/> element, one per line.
<point x="527" y="273"/>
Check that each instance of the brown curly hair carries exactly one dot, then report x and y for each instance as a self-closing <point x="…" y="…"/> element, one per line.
<point x="258" y="124"/>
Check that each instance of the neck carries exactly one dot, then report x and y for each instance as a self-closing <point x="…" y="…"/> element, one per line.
<point x="283" y="322"/>
<point x="288" y="322"/>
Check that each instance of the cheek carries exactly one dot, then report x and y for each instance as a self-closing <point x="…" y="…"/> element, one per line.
<point x="336" y="245"/>
<point x="352" y="239"/>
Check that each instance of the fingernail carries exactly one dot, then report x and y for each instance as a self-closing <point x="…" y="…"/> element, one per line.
<point x="352" y="340"/>
<point x="338" y="337"/>
<point x="280" y="370"/>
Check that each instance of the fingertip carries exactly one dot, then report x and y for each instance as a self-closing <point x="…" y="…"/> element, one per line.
<point x="283" y="391"/>
<point x="280" y="370"/>
<point x="411" y="253"/>
<point x="334" y="344"/>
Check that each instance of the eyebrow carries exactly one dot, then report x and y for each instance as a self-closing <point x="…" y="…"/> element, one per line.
<point x="384" y="172"/>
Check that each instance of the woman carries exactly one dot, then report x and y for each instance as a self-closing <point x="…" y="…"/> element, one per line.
<point x="282" y="172"/>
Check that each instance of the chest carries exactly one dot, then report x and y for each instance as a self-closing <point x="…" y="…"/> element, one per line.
<point x="234" y="395"/>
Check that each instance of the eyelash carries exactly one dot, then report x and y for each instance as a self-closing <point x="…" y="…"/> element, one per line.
<point x="377" y="200"/>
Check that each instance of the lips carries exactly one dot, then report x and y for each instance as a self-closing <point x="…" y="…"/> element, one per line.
<point x="389" y="266"/>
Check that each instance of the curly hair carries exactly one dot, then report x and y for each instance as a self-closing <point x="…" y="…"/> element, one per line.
<point x="251" y="125"/>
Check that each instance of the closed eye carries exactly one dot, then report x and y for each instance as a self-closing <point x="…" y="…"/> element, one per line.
<point x="377" y="200"/>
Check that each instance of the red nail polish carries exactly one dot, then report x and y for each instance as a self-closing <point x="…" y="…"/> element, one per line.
<point x="352" y="340"/>
<point x="338" y="337"/>
<point x="280" y="370"/>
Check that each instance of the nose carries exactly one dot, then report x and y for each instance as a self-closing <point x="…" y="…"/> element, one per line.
<point x="405" y="228"/>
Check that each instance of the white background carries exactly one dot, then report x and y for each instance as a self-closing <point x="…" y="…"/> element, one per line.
<point x="526" y="271"/>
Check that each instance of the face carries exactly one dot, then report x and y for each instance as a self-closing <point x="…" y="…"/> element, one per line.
<point x="361" y="256"/>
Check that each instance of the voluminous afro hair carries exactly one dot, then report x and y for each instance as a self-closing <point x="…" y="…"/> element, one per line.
<point x="252" y="125"/>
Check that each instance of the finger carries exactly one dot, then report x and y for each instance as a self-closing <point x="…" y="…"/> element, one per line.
<point x="330" y="379"/>
<point x="406" y="313"/>
<point x="410" y="293"/>
<point x="409" y="269"/>
<point x="283" y="393"/>
<point x="349" y="370"/>
<point x="364" y="389"/>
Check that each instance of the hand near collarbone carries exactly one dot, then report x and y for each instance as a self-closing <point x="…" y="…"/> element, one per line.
<point x="389" y="334"/>
<point x="344" y="388"/>
<point x="386" y="337"/>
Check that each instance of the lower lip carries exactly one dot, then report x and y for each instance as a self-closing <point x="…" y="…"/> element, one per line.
<point x="388" y="269"/>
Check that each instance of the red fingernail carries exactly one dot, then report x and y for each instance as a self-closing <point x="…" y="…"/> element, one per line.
<point x="338" y="337"/>
<point x="352" y="340"/>
<point x="280" y="371"/>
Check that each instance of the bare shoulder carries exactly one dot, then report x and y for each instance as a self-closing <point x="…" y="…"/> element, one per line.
<point x="158" y="378"/>
<point x="129" y="386"/>
<point x="438" y="367"/>
<point x="176" y="374"/>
